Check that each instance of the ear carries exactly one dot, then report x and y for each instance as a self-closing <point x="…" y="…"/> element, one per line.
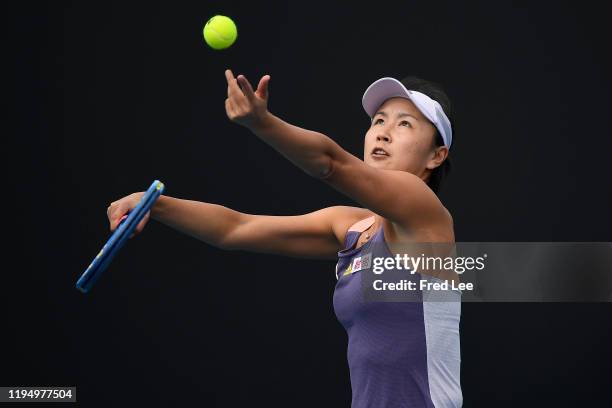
<point x="437" y="157"/>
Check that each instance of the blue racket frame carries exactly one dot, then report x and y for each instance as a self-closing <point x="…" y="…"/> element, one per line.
<point x="119" y="237"/>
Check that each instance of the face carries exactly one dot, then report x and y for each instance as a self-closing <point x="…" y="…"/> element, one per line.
<point x="406" y="136"/>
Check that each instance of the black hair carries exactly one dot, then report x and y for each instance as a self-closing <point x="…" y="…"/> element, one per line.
<point x="436" y="92"/>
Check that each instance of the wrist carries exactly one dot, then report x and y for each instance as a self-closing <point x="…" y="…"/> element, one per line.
<point x="157" y="208"/>
<point x="262" y="123"/>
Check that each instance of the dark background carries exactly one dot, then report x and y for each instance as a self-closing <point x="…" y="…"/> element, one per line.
<point x="107" y="96"/>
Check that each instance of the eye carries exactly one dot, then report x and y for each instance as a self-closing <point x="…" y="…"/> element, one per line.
<point x="376" y="121"/>
<point x="405" y="122"/>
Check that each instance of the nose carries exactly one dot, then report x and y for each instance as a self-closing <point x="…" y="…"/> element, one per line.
<point x="382" y="133"/>
<point x="383" y="136"/>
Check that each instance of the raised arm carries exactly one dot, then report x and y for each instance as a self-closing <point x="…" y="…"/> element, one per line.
<point x="397" y="195"/>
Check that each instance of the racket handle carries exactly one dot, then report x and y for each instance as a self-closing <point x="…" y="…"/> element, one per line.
<point x="122" y="220"/>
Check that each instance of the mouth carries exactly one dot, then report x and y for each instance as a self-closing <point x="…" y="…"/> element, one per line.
<point x="379" y="153"/>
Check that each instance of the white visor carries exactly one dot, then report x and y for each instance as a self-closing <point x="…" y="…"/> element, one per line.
<point x="386" y="88"/>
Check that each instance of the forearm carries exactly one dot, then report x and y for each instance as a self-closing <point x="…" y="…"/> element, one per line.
<point x="207" y="222"/>
<point x="309" y="150"/>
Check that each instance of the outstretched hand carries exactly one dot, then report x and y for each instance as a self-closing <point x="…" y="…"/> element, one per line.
<point x="243" y="105"/>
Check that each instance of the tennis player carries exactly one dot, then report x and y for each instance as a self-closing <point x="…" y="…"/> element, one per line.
<point x="400" y="354"/>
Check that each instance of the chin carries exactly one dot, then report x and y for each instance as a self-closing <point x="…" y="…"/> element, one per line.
<point x="378" y="165"/>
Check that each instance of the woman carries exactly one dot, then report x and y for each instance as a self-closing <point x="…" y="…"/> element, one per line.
<point x="400" y="354"/>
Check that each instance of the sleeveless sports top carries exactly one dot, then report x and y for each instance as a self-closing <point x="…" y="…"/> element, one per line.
<point x="400" y="354"/>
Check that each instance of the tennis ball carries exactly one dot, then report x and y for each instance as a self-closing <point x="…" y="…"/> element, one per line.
<point x="220" y="32"/>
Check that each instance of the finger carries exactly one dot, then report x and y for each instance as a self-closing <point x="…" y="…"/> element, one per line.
<point x="229" y="109"/>
<point x="262" y="88"/>
<point x="233" y="90"/>
<point x="111" y="219"/>
<point x="230" y="78"/>
<point x="118" y="221"/>
<point x="142" y="223"/>
<point x="246" y="87"/>
<point x="111" y="208"/>
<point x="229" y="75"/>
<point x="113" y="224"/>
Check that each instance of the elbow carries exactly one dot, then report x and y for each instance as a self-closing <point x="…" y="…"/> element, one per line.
<point x="223" y="245"/>
<point x="325" y="169"/>
<point x="226" y="244"/>
<point x="232" y="236"/>
<point x="326" y="164"/>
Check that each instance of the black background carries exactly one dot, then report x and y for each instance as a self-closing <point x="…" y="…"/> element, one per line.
<point x="107" y="96"/>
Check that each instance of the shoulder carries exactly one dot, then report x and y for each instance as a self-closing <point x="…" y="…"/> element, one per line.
<point x="437" y="226"/>
<point x="449" y="216"/>
<point x="415" y="204"/>
<point x="432" y="212"/>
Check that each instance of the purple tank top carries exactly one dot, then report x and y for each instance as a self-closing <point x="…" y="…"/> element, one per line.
<point x="400" y="354"/>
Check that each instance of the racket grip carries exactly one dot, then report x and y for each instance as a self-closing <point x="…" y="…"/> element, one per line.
<point x="122" y="219"/>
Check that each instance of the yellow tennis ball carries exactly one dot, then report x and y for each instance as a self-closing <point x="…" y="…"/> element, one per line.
<point x="220" y="32"/>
